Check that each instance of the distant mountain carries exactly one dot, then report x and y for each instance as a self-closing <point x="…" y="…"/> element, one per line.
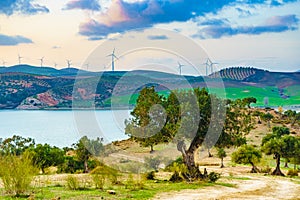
<point x="258" y="76"/>
<point x="29" y="87"/>
<point x="42" y="71"/>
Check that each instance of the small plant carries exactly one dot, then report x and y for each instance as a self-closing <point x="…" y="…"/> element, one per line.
<point x="102" y="173"/>
<point x="178" y="170"/>
<point x="213" y="176"/>
<point x="150" y="175"/>
<point x="17" y="173"/>
<point x="132" y="185"/>
<point x="152" y="162"/>
<point x="267" y="169"/>
<point x="72" y="182"/>
<point x="99" y="181"/>
<point x="292" y="172"/>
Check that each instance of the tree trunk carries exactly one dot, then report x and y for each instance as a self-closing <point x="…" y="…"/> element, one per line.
<point x="209" y="154"/>
<point x="86" y="169"/>
<point x="151" y="149"/>
<point x="222" y="165"/>
<point x="193" y="172"/>
<point x="286" y="164"/>
<point x="277" y="171"/>
<point x="254" y="168"/>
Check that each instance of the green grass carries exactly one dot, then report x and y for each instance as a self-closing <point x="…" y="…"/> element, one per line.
<point x="235" y="93"/>
<point x="150" y="189"/>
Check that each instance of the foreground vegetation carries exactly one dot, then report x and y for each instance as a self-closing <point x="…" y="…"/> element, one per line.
<point x="187" y="116"/>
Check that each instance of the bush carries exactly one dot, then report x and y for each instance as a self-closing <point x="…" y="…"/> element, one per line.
<point x="213" y="176"/>
<point x="150" y="175"/>
<point x="152" y="162"/>
<point x="17" y="173"/>
<point x="99" y="181"/>
<point x="72" y="183"/>
<point x="292" y="172"/>
<point x="266" y="170"/>
<point x="131" y="184"/>
<point x="102" y="173"/>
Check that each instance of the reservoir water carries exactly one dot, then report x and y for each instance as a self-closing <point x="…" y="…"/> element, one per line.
<point x="63" y="128"/>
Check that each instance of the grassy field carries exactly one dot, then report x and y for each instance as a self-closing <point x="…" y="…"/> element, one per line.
<point x="146" y="190"/>
<point x="235" y="93"/>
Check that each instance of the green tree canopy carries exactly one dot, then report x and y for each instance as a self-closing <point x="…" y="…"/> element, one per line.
<point x="189" y="116"/>
<point x="86" y="147"/>
<point x="148" y="119"/>
<point x="247" y="154"/>
<point x="45" y="156"/>
<point x="15" y="145"/>
<point x="280" y="144"/>
<point x="221" y="154"/>
<point x="249" y="100"/>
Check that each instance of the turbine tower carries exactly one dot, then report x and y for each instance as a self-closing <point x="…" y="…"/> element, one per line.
<point x="19" y="59"/>
<point x="180" y="67"/>
<point x="209" y="66"/>
<point x="3" y="63"/>
<point x="42" y="61"/>
<point x="69" y="63"/>
<point x="87" y="66"/>
<point x="113" y="56"/>
<point x="55" y="64"/>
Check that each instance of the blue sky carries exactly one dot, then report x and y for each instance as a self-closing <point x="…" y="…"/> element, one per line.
<point x="258" y="33"/>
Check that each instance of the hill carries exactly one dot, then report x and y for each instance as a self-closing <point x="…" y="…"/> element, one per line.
<point x="28" y="87"/>
<point x="42" y="71"/>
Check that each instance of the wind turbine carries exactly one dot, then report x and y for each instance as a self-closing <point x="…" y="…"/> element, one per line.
<point x="3" y="63"/>
<point x="209" y="65"/>
<point x="113" y="56"/>
<point x="87" y="66"/>
<point x="19" y="58"/>
<point x="180" y="67"/>
<point x="42" y="60"/>
<point x="55" y="64"/>
<point x="69" y="63"/>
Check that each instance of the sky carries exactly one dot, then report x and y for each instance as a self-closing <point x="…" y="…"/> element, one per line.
<point x="151" y="34"/>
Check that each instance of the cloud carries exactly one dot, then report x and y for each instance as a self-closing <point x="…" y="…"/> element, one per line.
<point x="124" y="15"/>
<point x="158" y="37"/>
<point x="274" y="24"/>
<point x="83" y="5"/>
<point x="9" y="7"/>
<point x="213" y="22"/>
<point x="243" y="13"/>
<point x="6" y="40"/>
<point x="56" y="47"/>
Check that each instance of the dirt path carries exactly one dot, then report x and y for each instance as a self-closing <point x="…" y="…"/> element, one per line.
<point x="259" y="187"/>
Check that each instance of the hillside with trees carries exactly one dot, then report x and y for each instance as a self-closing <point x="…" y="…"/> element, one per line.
<point x="27" y="87"/>
<point x="167" y="151"/>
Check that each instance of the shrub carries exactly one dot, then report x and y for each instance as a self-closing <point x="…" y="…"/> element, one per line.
<point x="292" y="172"/>
<point x="99" y="181"/>
<point x="102" y="173"/>
<point x="152" y="162"/>
<point x="213" y="176"/>
<point x="178" y="170"/>
<point x="17" y="173"/>
<point x="150" y="175"/>
<point x="131" y="184"/>
<point x="72" y="183"/>
<point x="266" y="169"/>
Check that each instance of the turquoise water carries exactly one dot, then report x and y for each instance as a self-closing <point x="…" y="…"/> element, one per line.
<point x="63" y="128"/>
